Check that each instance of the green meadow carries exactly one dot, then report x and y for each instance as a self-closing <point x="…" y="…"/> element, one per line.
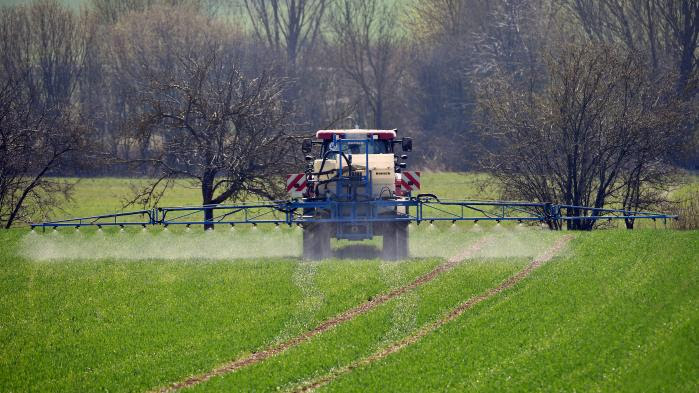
<point x="616" y="310"/>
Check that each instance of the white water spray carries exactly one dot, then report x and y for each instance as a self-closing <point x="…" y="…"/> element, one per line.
<point x="263" y="242"/>
<point x="144" y="245"/>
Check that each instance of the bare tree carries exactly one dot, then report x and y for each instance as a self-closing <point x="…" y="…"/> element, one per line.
<point x="202" y="116"/>
<point x="289" y="26"/>
<point x="290" y="31"/>
<point x="444" y="18"/>
<point x="511" y="35"/>
<point x="600" y="132"/>
<point x="41" y="130"/>
<point x="369" y="51"/>
<point x="110" y="11"/>
<point x="440" y="95"/>
<point x="682" y="19"/>
<point x="666" y="29"/>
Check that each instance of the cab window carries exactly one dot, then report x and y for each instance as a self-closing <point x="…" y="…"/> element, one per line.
<point x="375" y="146"/>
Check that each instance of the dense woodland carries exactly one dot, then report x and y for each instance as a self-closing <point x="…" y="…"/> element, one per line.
<point x="582" y="101"/>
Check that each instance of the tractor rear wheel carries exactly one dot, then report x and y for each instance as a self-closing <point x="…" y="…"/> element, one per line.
<point x="401" y="240"/>
<point x="323" y="241"/>
<point x="308" y="239"/>
<point x="388" y="252"/>
<point x="395" y="241"/>
<point x="316" y="241"/>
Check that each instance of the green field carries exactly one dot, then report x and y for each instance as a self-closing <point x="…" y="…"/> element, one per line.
<point x="86" y="311"/>
<point x="107" y="195"/>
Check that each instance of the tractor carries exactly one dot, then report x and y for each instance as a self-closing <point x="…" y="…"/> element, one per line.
<point x="356" y="187"/>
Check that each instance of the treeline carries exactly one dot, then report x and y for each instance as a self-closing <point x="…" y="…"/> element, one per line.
<point x="82" y="91"/>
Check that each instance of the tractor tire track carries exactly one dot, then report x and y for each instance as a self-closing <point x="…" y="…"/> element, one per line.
<point x="426" y="329"/>
<point x="404" y="315"/>
<point x="348" y="315"/>
<point x="311" y="301"/>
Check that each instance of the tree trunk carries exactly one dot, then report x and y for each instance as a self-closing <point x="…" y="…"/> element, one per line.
<point x="378" y="114"/>
<point x="208" y="217"/>
<point x="207" y="192"/>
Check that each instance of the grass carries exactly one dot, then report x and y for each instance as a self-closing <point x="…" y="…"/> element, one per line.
<point x="618" y="311"/>
<point x="458" y="185"/>
<point x="93" y="196"/>
<point x="368" y="332"/>
<point x="124" y="325"/>
<point x="89" y="325"/>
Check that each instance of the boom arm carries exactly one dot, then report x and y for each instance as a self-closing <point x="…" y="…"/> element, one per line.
<point x="417" y="210"/>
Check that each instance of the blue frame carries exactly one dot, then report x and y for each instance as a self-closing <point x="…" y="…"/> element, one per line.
<point x="291" y="212"/>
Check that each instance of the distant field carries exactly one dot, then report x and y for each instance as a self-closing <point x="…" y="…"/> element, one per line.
<point x="133" y="311"/>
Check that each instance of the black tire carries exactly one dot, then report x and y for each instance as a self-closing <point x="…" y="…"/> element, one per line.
<point x="309" y="239"/>
<point x="395" y="241"/>
<point x="388" y="253"/>
<point x="323" y="236"/>
<point x="401" y="240"/>
<point x="316" y="242"/>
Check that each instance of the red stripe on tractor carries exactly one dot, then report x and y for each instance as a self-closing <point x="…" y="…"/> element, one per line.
<point x="410" y="177"/>
<point x="405" y="185"/>
<point x="292" y="183"/>
<point x="399" y="192"/>
<point x="301" y="186"/>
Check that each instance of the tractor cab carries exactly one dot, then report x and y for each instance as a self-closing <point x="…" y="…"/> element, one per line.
<point x="358" y="141"/>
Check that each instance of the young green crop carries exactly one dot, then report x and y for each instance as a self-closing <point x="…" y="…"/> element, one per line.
<point x="365" y="334"/>
<point x="619" y="313"/>
<point x="81" y="324"/>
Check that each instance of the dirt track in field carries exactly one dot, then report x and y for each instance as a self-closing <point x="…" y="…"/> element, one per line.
<point x="453" y="314"/>
<point x="348" y="315"/>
